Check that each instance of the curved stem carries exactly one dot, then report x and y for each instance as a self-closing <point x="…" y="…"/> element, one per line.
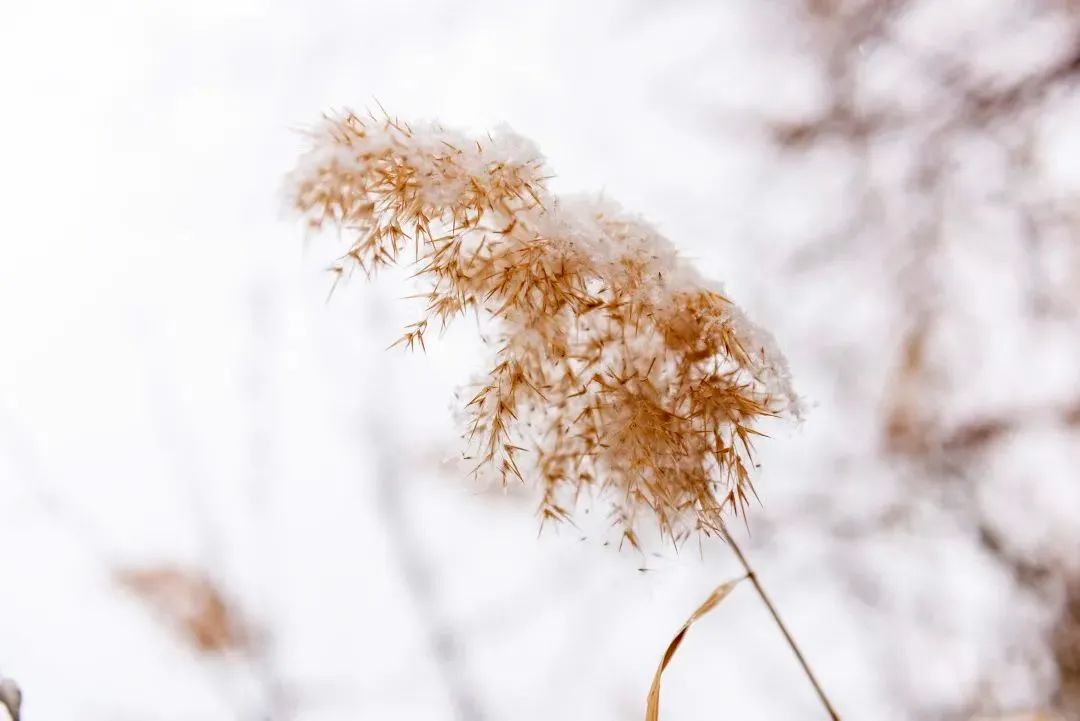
<point x="780" y="624"/>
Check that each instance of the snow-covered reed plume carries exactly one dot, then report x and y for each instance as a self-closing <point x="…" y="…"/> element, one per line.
<point x="618" y="367"/>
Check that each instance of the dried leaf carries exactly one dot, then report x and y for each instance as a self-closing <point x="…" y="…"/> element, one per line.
<point x="652" y="706"/>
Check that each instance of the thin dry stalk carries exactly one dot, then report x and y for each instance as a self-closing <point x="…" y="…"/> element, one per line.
<point x="752" y="575"/>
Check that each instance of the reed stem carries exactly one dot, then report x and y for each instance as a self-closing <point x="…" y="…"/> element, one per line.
<point x="780" y="624"/>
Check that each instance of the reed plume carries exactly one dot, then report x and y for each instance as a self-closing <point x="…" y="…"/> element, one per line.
<point x="617" y="367"/>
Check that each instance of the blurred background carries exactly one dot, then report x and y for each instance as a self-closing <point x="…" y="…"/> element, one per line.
<point x="222" y="498"/>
